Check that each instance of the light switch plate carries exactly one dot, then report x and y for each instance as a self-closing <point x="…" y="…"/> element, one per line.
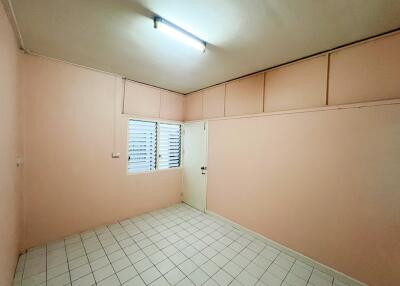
<point x="20" y="161"/>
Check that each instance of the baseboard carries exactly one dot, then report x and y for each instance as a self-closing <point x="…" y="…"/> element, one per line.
<point x="336" y="274"/>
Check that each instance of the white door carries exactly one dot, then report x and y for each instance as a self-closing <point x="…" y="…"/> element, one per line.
<point x="195" y="164"/>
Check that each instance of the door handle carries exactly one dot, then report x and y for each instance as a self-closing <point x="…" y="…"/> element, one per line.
<point x="203" y="168"/>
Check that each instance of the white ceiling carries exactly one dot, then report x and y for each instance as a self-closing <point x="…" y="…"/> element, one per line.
<point x="244" y="36"/>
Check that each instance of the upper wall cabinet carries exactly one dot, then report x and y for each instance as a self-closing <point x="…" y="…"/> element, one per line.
<point x="141" y="100"/>
<point x="245" y="96"/>
<point x="296" y="86"/>
<point x="214" y="101"/>
<point x="148" y="101"/>
<point x="366" y="72"/>
<point x="193" y="106"/>
<point x="171" y="106"/>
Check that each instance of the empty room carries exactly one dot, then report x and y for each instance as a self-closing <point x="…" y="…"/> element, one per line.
<point x="200" y="142"/>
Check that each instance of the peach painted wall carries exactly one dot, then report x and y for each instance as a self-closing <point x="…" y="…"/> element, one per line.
<point x="71" y="183"/>
<point x="366" y="72"/>
<point x="323" y="183"/>
<point x="245" y="96"/>
<point x="171" y="106"/>
<point x="141" y="100"/>
<point x="10" y="149"/>
<point x="297" y="86"/>
<point x="193" y="106"/>
<point x="214" y="101"/>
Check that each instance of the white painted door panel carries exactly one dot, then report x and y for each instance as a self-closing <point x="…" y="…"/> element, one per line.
<point x="194" y="158"/>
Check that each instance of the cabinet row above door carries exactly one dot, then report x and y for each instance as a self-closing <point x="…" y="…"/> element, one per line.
<point x="368" y="71"/>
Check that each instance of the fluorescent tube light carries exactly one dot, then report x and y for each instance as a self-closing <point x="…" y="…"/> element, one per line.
<point x="179" y="34"/>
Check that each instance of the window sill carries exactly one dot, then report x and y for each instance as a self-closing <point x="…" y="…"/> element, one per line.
<point x="154" y="171"/>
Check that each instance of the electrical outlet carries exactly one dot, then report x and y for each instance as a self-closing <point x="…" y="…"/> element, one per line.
<point x="115" y="155"/>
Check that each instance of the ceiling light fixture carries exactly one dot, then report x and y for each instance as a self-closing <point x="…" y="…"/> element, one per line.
<point x="179" y="34"/>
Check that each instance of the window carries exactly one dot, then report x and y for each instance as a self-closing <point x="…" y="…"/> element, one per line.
<point x="170" y="146"/>
<point x="153" y="145"/>
<point x="142" y="146"/>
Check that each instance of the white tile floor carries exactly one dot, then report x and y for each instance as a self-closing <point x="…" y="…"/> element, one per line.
<point x="173" y="246"/>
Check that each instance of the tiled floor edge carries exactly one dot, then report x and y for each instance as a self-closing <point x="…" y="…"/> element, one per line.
<point x="324" y="268"/>
<point x="25" y="249"/>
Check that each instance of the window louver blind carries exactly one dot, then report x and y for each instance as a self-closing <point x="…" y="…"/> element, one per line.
<point x="142" y="146"/>
<point x="169" y="146"/>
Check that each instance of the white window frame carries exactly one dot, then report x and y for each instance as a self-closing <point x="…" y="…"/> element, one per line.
<point x="157" y="121"/>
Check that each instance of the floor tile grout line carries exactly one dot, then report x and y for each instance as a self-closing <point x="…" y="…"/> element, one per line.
<point x="23" y="270"/>
<point x="127" y="257"/>
<point x="298" y="276"/>
<point x="142" y="232"/>
<point x="250" y="263"/>
<point x="250" y="260"/>
<point x="219" y="252"/>
<point x="160" y="249"/>
<point x="187" y="258"/>
<point x="105" y="255"/>
<point x="114" y="235"/>
<point x="46" y="264"/>
<point x="112" y="266"/>
<point x="272" y="262"/>
<point x="246" y="265"/>
<point x="229" y="260"/>
<point x="176" y="266"/>
<point x="209" y="258"/>
<point x="69" y="269"/>
<point x="210" y="245"/>
<point x="283" y="280"/>
<point x="308" y="280"/>
<point x="167" y="222"/>
<point x="266" y="270"/>
<point x="87" y="257"/>
<point x="58" y="275"/>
